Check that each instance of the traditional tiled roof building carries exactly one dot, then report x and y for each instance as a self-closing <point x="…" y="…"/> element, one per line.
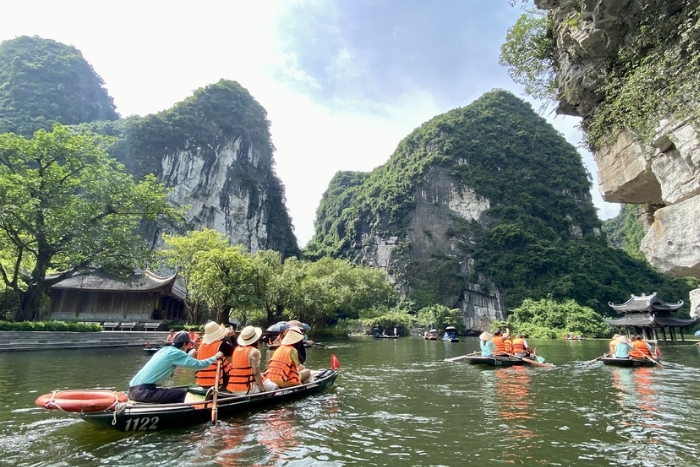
<point x="646" y="315"/>
<point x="142" y="298"/>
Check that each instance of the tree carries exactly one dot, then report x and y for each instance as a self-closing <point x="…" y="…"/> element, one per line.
<point x="223" y="279"/>
<point x="67" y="206"/>
<point x="528" y="55"/>
<point x="183" y="254"/>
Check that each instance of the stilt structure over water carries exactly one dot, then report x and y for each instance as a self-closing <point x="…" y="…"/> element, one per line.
<point x="647" y="315"/>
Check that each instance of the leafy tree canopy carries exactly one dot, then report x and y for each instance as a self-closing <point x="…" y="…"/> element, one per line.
<point x="43" y="81"/>
<point x="67" y="206"/>
<point x="547" y="318"/>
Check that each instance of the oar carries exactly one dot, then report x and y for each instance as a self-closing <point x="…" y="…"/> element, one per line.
<point x="461" y="357"/>
<point x="214" y="408"/>
<point x="536" y="363"/>
<point x="596" y="359"/>
<point x="653" y="360"/>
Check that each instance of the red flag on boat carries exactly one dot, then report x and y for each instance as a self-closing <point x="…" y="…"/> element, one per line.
<point x="335" y="364"/>
<point x="657" y="354"/>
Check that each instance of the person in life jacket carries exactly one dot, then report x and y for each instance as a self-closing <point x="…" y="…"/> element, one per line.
<point x="144" y="387"/>
<point x="640" y="348"/>
<point x="499" y="345"/>
<point x="285" y="368"/>
<point x="508" y="343"/>
<point x="244" y="376"/>
<point x="213" y="342"/>
<point x="520" y="347"/>
<point x="171" y="335"/>
<point x="623" y="347"/>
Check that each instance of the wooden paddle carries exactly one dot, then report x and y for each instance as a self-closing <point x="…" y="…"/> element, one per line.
<point x="596" y="359"/>
<point x="653" y="360"/>
<point x="215" y="388"/>
<point x="536" y="363"/>
<point x="461" y="357"/>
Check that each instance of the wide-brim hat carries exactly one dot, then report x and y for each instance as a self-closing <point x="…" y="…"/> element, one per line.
<point x="622" y="339"/>
<point x="294" y="335"/>
<point x="485" y="336"/>
<point x="213" y="332"/>
<point x="249" y="335"/>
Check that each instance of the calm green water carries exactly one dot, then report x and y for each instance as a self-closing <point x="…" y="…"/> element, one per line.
<point x="396" y="402"/>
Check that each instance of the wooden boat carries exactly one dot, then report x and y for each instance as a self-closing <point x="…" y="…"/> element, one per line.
<point x="379" y="336"/>
<point x="494" y="360"/>
<point x="135" y="416"/>
<point x="629" y="362"/>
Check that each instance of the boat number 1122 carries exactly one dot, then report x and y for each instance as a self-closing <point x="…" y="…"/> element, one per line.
<point x="141" y="424"/>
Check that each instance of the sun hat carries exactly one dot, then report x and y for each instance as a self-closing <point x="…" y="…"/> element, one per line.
<point x="623" y="339"/>
<point x="485" y="336"/>
<point x="182" y="337"/>
<point x="213" y="332"/>
<point x="249" y="335"/>
<point x="615" y="336"/>
<point x="294" y="335"/>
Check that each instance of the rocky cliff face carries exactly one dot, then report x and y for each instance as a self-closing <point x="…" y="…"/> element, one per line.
<point x="477" y="209"/>
<point x="429" y="248"/>
<point x="660" y="169"/>
<point x="214" y="152"/>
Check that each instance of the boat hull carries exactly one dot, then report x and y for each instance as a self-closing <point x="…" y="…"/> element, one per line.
<point x="628" y="362"/>
<point x="156" y="417"/>
<point x="494" y="361"/>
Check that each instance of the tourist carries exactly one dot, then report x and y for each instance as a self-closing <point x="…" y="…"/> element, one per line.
<point x="244" y="376"/>
<point x="623" y="347"/>
<point x="613" y="344"/>
<point x="171" y="335"/>
<point x="499" y="345"/>
<point x="285" y="368"/>
<point x="144" y="387"/>
<point x="486" y="344"/>
<point x="520" y="347"/>
<point x="213" y="342"/>
<point x="641" y="348"/>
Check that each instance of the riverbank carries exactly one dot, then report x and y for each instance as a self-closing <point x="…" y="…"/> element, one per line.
<point x="53" y="340"/>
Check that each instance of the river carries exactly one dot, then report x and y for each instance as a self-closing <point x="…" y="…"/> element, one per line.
<point x="396" y="402"/>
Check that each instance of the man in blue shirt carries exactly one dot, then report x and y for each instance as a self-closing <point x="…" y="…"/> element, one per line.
<point x="144" y="386"/>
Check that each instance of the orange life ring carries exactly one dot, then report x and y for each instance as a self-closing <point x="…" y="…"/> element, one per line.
<point x="81" y="401"/>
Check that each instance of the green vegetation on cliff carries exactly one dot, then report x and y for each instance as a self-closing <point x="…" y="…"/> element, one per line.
<point x="625" y="230"/>
<point x="43" y="81"/>
<point x="218" y="114"/>
<point x="539" y="238"/>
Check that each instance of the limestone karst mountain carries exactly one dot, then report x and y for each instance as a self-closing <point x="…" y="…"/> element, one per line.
<point x="479" y="208"/>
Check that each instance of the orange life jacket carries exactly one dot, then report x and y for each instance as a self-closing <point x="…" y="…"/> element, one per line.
<point x="240" y="375"/>
<point x="281" y="367"/>
<point x="518" y="345"/>
<point x="508" y="344"/>
<point x="206" y="377"/>
<point x="499" y="344"/>
<point x="640" y="347"/>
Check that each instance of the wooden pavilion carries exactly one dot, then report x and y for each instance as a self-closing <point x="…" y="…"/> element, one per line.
<point x="98" y="297"/>
<point x="647" y="315"/>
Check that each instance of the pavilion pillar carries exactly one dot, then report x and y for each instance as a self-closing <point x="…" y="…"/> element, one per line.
<point x="680" y="331"/>
<point x="663" y="331"/>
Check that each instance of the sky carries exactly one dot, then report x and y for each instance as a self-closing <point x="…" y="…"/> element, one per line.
<point x="343" y="81"/>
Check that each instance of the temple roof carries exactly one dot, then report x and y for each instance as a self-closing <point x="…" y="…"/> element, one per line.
<point x="649" y="320"/>
<point x="645" y="303"/>
<point x="142" y="281"/>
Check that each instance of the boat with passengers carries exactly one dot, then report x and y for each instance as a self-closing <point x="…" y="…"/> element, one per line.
<point x="113" y="409"/>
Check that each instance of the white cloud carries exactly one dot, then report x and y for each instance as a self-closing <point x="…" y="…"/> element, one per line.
<point x="152" y="54"/>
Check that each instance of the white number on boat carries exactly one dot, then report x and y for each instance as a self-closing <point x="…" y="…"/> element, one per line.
<point x="141" y="424"/>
